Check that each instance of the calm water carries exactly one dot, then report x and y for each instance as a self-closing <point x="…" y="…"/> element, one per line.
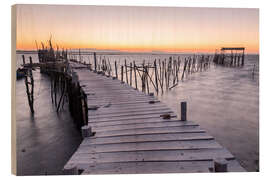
<point x="224" y="101"/>
<point x="46" y="140"/>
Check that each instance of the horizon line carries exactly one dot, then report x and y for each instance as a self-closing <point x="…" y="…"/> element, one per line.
<point x="92" y="50"/>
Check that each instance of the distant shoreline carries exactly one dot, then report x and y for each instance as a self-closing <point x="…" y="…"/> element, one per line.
<point x="90" y="52"/>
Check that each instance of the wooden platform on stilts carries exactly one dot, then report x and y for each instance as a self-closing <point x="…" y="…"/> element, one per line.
<point x="132" y="137"/>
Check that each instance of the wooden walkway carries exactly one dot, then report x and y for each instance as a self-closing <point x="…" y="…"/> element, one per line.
<point x="131" y="137"/>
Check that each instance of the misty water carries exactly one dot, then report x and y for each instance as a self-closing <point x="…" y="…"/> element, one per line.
<point x="223" y="100"/>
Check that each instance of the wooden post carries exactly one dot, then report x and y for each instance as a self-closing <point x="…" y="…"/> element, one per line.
<point x="220" y="165"/>
<point x="183" y="111"/>
<point x="243" y="58"/>
<point x="130" y="69"/>
<point x="30" y="95"/>
<point x="86" y="131"/>
<point x="126" y="71"/>
<point x="238" y="59"/>
<point x="61" y="97"/>
<point x="122" y="74"/>
<point x="231" y="58"/>
<point x="80" y="59"/>
<point x="168" y="72"/>
<point x="135" y="75"/>
<point x="163" y="74"/>
<point x="23" y="59"/>
<point x="143" y="79"/>
<point x="178" y="67"/>
<point x="146" y="76"/>
<point x="115" y="67"/>
<point x="55" y="88"/>
<point x="51" y="76"/>
<point x="95" y="61"/>
<point x="235" y="59"/>
<point x="73" y="170"/>
<point x="184" y="69"/>
<point x="156" y="75"/>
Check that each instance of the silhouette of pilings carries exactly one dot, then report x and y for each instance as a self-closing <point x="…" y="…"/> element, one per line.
<point x="235" y="58"/>
<point x="64" y="83"/>
<point x="159" y="76"/>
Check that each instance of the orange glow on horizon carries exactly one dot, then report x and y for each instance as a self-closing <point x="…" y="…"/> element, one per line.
<point x="143" y="29"/>
<point x="178" y="49"/>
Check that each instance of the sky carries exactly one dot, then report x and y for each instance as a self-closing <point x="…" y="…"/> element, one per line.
<point x="144" y="29"/>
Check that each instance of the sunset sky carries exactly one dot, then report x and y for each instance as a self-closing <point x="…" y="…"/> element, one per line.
<point x="169" y="29"/>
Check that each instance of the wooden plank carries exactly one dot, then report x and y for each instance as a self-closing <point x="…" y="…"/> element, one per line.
<point x="129" y="121"/>
<point x="125" y="97"/>
<point x="119" y="100"/>
<point x="141" y="125"/>
<point x="135" y="105"/>
<point x="129" y="114"/>
<point x="156" y="167"/>
<point x="113" y="114"/>
<point x="154" y="123"/>
<point x="150" y="146"/>
<point x="146" y="138"/>
<point x="110" y="110"/>
<point x="119" y="103"/>
<point x="124" y="118"/>
<point x="187" y="129"/>
<point x="151" y="156"/>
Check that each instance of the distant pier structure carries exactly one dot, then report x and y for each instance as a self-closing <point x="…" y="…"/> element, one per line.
<point x="230" y="56"/>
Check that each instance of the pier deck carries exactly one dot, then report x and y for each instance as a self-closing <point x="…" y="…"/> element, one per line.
<point x="131" y="137"/>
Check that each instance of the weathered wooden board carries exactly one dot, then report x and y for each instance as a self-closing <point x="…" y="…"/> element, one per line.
<point x="129" y="121"/>
<point x="142" y="125"/>
<point x="149" y="146"/>
<point x="109" y="111"/>
<point x="154" y="155"/>
<point x="157" y="167"/>
<point x="117" y="102"/>
<point x="146" y="138"/>
<point x="119" y="107"/>
<point x="124" y="118"/>
<point x="179" y="129"/>
<point x="132" y="107"/>
<point x="129" y="114"/>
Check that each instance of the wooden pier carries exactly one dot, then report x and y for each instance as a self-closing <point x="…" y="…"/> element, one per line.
<point x="235" y="58"/>
<point x="131" y="132"/>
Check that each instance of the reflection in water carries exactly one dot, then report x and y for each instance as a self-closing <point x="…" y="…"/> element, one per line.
<point x="46" y="140"/>
<point x="224" y="101"/>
